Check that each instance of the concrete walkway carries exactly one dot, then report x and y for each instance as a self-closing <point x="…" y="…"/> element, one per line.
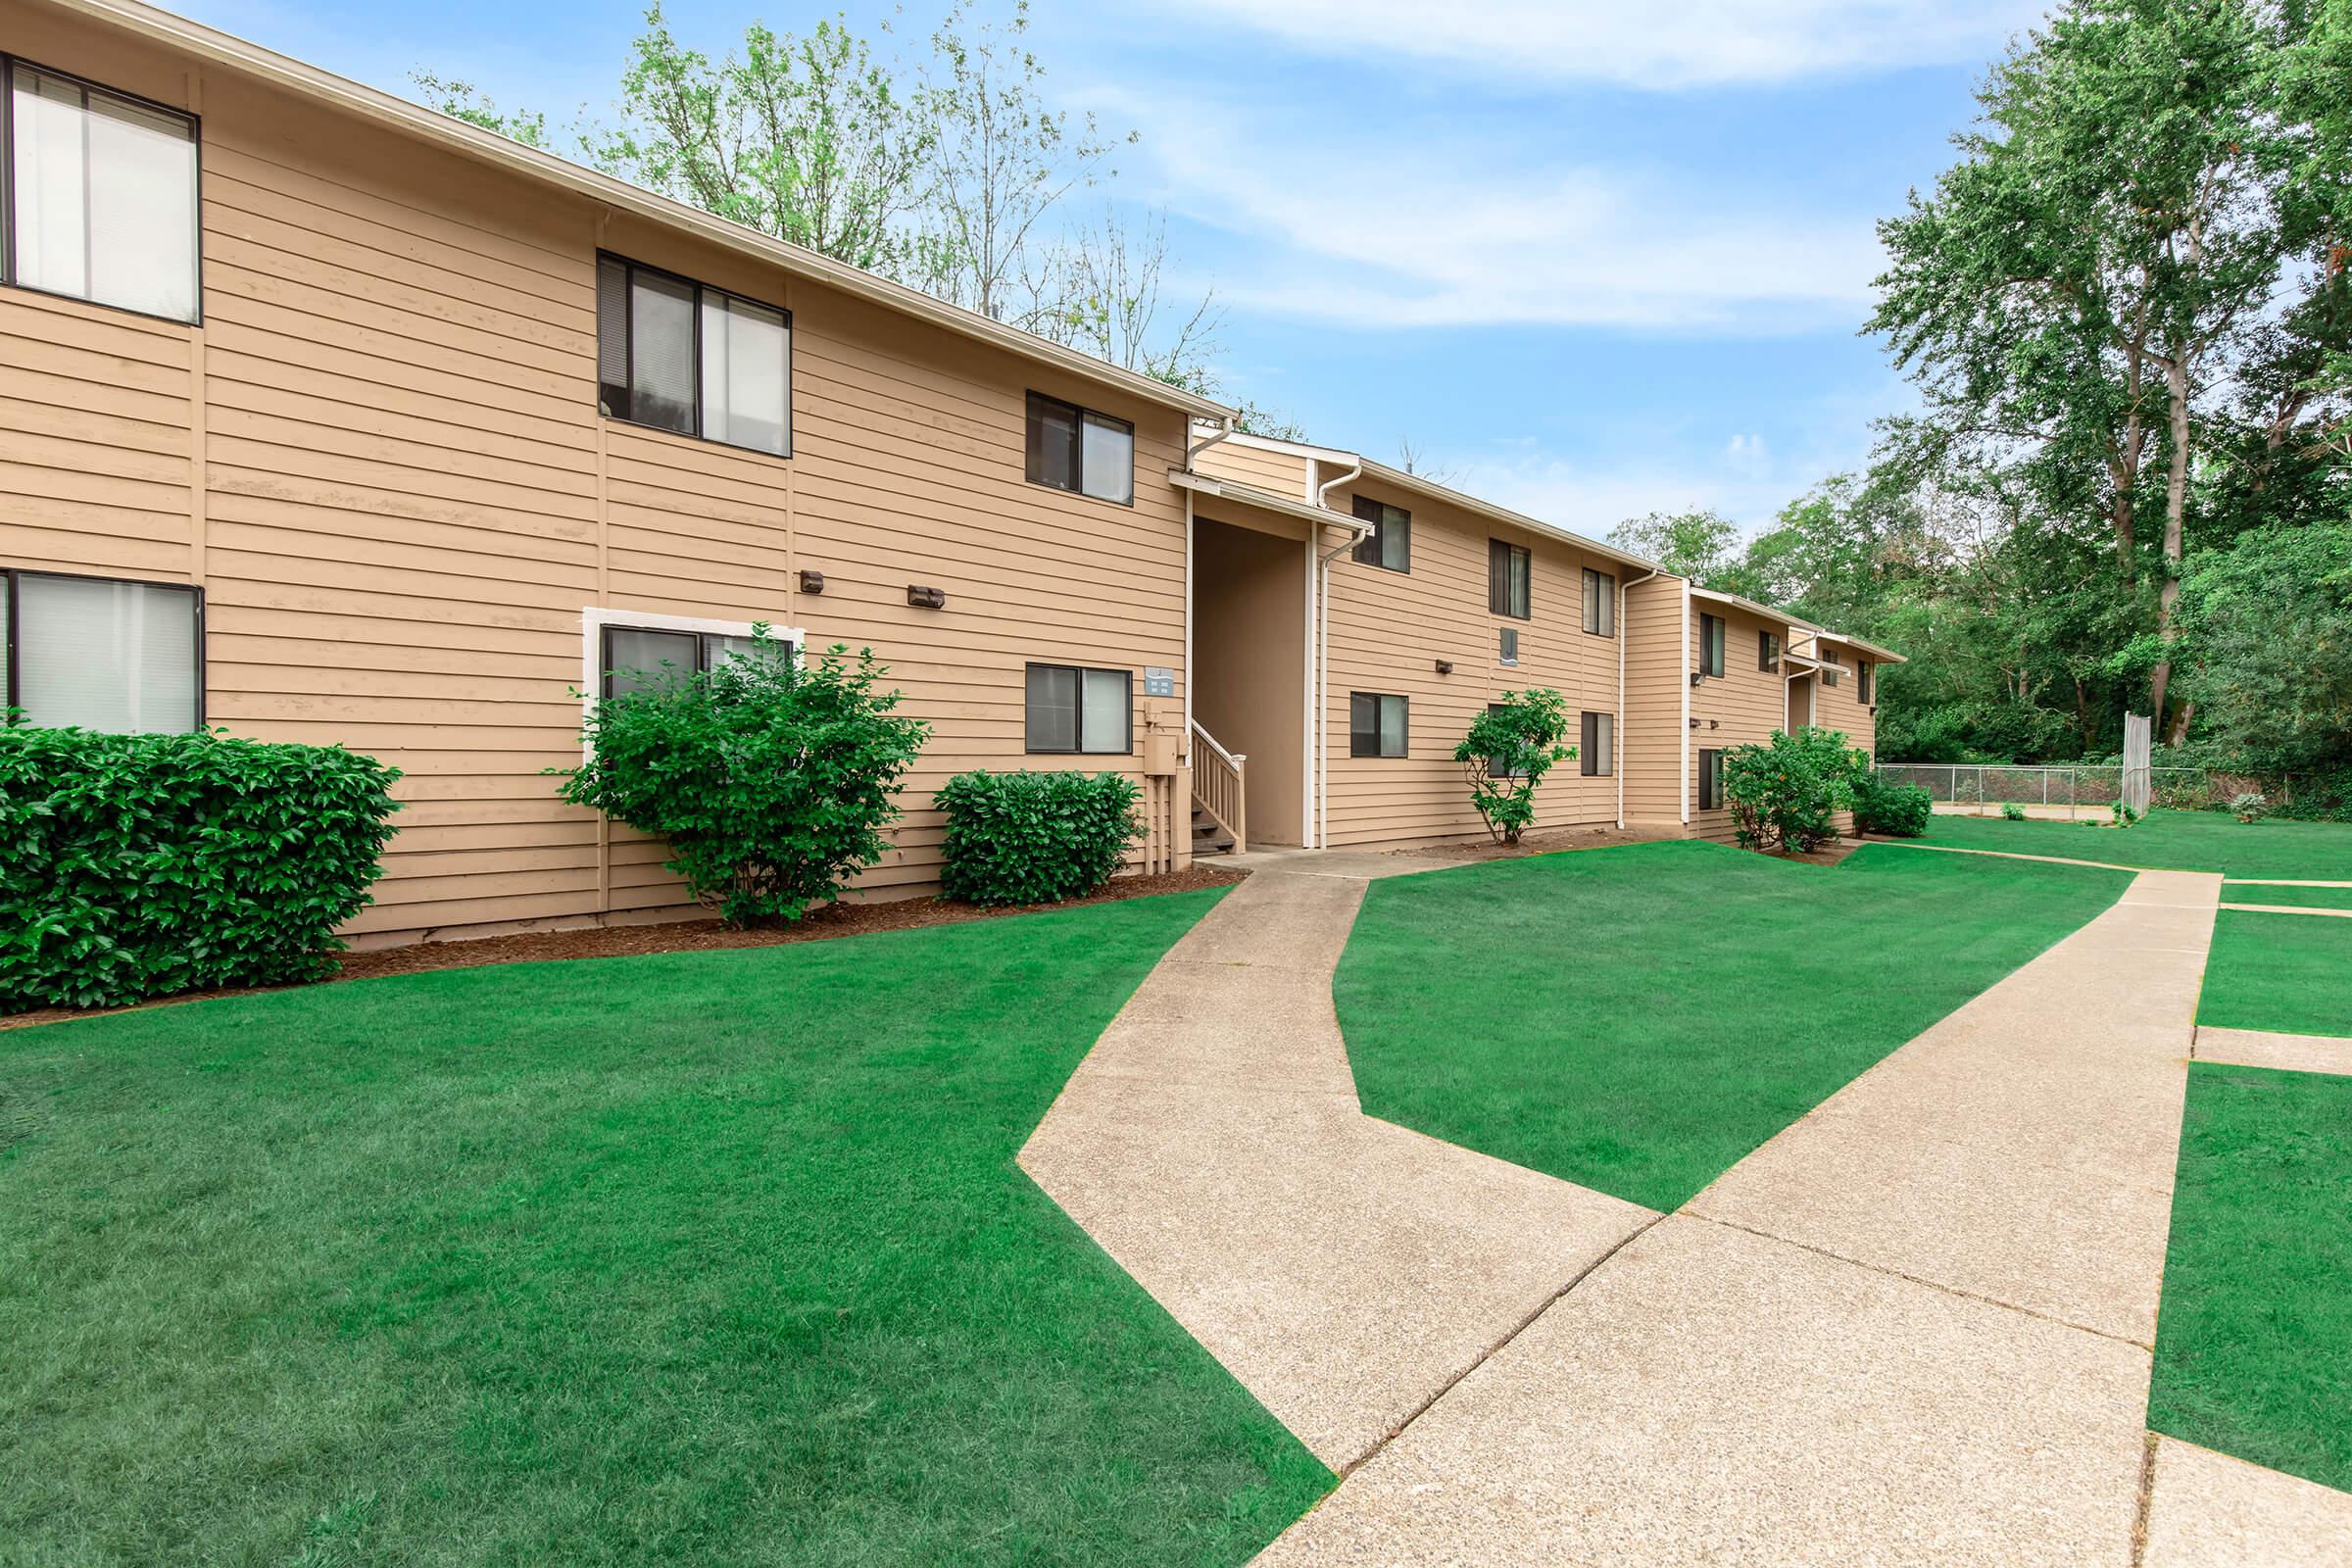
<point x="2262" y="1047"/>
<point x="1345" y="1270"/>
<point x="1912" y="1328"/>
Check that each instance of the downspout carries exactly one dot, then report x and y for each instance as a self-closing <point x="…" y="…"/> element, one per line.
<point x="1193" y="452"/>
<point x="1617" y="733"/>
<point x="1683" y="674"/>
<point x="1319" y="732"/>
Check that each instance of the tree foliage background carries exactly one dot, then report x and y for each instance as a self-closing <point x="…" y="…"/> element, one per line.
<point x="2127" y="309"/>
<point x="939" y="163"/>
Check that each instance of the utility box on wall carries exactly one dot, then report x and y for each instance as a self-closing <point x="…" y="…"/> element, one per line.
<point x="1163" y="739"/>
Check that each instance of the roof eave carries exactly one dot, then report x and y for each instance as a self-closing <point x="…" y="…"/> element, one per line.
<point x="307" y="80"/>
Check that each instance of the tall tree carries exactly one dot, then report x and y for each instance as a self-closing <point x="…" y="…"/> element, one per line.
<point x="2065" y="297"/>
<point x="1699" y="544"/>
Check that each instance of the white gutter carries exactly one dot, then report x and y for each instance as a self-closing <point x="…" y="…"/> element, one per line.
<point x="1224" y="432"/>
<point x="1617" y="723"/>
<point x="1683" y="673"/>
<point x="1319" y="731"/>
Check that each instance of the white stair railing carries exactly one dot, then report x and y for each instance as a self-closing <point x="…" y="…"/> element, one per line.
<point x="1220" y="787"/>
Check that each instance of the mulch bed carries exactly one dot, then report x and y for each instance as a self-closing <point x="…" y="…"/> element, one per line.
<point x="1544" y="841"/>
<point x="681" y="936"/>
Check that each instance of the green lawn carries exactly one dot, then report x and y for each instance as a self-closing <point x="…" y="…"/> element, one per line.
<point x="2271" y="892"/>
<point x="2169" y="841"/>
<point x="2291" y="972"/>
<point x="1636" y="1019"/>
<point x="706" y="1259"/>
<point x="2254" y="1339"/>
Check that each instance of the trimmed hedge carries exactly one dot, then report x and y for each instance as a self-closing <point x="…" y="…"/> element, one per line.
<point x="1897" y="810"/>
<point x="1035" y="838"/>
<point x="136" y="865"/>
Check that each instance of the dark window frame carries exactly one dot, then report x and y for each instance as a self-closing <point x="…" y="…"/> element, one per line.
<point x="1712" y="635"/>
<point x="1502" y="557"/>
<point x="1600" y="593"/>
<point x="631" y="265"/>
<point x="1079" y="415"/>
<point x="1587" y="733"/>
<point x="1373" y="545"/>
<point x="1079" y="748"/>
<point x="1768" y="651"/>
<point x="1863" y="675"/>
<point x="1710" y="779"/>
<point x="12" y="626"/>
<point x="1404" y="740"/>
<point x="8" y="195"/>
<point x="703" y="644"/>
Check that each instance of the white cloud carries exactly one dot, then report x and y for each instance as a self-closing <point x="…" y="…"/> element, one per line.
<point x="1694" y="43"/>
<point x="1428" y="233"/>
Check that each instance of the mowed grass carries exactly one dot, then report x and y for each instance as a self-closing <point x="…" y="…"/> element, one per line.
<point x="2254" y="1337"/>
<point x="2289" y="972"/>
<point x="1636" y="1019"/>
<point x="709" y="1258"/>
<point x="2168" y="841"/>
<point x="2286" y="893"/>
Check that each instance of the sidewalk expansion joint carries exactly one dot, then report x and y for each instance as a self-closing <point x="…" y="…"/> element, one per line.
<point x="1917" y="1279"/>
<point x="1492" y="1350"/>
<point x="2147" y="1499"/>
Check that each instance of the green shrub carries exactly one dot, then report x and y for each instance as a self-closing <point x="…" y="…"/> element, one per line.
<point x="1510" y="748"/>
<point x="771" y="777"/>
<point x="2249" y="806"/>
<point x="2013" y="812"/>
<point x="1786" y="793"/>
<point x="138" y="865"/>
<point x="1896" y="811"/>
<point x="1035" y="838"/>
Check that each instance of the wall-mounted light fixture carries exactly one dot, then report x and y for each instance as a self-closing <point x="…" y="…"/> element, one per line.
<point x="812" y="582"/>
<point x="1696" y="677"/>
<point x="926" y="598"/>
<point x="1445" y="666"/>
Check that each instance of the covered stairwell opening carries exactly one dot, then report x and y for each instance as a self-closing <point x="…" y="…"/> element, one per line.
<point x="1250" y="686"/>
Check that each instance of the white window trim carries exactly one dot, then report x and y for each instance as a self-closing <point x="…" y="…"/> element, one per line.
<point x="594" y="620"/>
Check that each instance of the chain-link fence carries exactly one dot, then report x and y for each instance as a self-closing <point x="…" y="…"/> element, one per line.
<point x="2064" y="792"/>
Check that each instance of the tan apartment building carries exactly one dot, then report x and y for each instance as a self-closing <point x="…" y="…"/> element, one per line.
<point x="329" y="419"/>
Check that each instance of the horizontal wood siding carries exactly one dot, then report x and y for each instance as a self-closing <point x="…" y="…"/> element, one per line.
<point x="1744" y="705"/>
<point x="380" y="455"/>
<point x="1387" y="632"/>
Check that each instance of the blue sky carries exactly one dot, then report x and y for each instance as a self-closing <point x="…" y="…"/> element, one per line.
<point x="1589" y="264"/>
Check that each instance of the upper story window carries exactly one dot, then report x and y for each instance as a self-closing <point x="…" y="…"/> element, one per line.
<point x="1862" y="674"/>
<point x="1072" y="448"/>
<point x="1510" y="569"/>
<point x="1600" y="603"/>
<point x="1768" y="650"/>
<point x="101" y="194"/>
<point x="1710" y="644"/>
<point x="1390" y="544"/>
<point x="123" y="656"/>
<point x="683" y="357"/>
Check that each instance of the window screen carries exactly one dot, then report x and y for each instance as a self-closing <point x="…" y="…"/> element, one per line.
<point x="1390" y="544"/>
<point x="1091" y="712"/>
<point x="1376" y="724"/>
<point x="119" y="657"/>
<point x="1107" y="459"/>
<point x="1600" y="603"/>
<point x="103" y="195"/>
<point x="745" y="349"/>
